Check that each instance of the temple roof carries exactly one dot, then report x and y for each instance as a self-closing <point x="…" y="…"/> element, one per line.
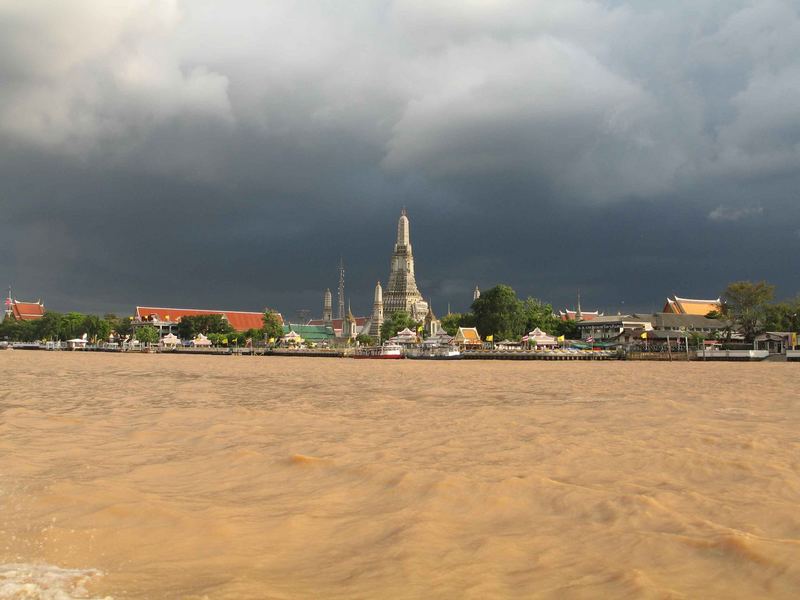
<point x="468" y="334"/>
<point x="239" y="320"/>
<point x="689" y="306"/>
<point x="26" y="311"/>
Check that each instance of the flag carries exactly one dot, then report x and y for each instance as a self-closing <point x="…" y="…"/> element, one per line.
<point x="794" y="339"/>
<point x="420" y="328"/>
<point x="644" y="335"/>
<point x="8" y="301"/>
<point x="271" y="340"/>
<point x="560" y="338"/>
<point x="590" y="339"/>
<point x="489" y="338"/>
<point x="525" y="338"/>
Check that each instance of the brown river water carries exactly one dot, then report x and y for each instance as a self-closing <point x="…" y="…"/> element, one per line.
<point x="156" y="476"/>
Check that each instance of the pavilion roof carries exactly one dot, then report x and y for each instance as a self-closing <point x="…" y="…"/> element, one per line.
<point x="27" y="311"/>
<point x="239" y="320"/>
<point x="690" y="306"/>
<point x="468" y="334"/>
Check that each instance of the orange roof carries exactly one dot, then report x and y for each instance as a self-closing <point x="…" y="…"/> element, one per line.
<point x="27" y="311"/>
<point x="688" y="306"/>
<point x="468" y="334"/>
<point x="239" y="320"/>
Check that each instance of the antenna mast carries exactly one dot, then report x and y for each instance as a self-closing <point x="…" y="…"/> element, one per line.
<point x="341" y="289"/>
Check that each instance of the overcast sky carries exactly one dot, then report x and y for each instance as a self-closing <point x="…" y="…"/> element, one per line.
<point x="226" y="154"/>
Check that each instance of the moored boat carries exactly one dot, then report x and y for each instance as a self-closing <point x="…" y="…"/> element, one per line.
<point x="387" y="351"/>
<point x="436" y="353"/>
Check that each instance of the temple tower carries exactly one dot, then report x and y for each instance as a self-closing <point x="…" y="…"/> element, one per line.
<point x="432" y="325"/>
<point x="9" y="304"/>
<point x="377" y="313"/>
<point x="327" y="308"/>
<point x="349" y="326"/>
<point x="401" y="289"/>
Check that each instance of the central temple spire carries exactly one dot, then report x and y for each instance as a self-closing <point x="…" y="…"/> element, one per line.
<point x="403" y="235"/>
<point x="401" y="289"/>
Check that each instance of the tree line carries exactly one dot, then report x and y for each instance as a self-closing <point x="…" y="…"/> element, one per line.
<point x="54" y="326"/>
<point x="747" y="306"/>
<point x="751" y="309"/>
<point x="498" y="312"/>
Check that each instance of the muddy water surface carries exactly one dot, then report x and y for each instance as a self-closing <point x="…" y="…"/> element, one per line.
<point x="162" y="476"/>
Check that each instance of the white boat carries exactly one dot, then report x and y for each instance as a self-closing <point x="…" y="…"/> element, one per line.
<point x="435" y="353"/>
<point x="387" y="351"/>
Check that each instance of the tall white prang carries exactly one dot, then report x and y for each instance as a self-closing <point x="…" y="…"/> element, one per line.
<point x="401" y="290"/>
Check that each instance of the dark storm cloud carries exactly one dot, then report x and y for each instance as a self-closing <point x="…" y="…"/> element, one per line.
<point x="190" y="153"/>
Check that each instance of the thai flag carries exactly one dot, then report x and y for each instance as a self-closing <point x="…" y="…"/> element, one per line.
<point x="525" y="338"/>
<point x="8" y="301"/>
<point x="590" y="339"/>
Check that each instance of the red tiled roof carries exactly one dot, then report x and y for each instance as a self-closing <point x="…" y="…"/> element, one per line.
<point x="239" y="320"/>
<point x="27" y="311"/>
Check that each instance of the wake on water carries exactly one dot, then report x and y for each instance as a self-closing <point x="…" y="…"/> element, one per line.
<point x="20" y="581"/>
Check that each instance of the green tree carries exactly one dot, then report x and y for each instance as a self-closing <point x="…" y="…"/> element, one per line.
<point x="147" y="334"/>
<point x="96" y="328"/>
<point x="747" y="302"/>
<point x="256" y="335"/>
<point x="186" y="328"/>
<point x="364" y="339"/>
<point x="273" y="325"/>
<point x="17" y="331"/>
<point x="568" y="328"/>
<point x="783" y="316"/>
<point x="72" y="326"/>
<point x="123" y="326"/>
<point x="500" y="313"/>
<point x="398" y="321"/>
<point x="538" y="314"/>
<point x="190" y="326"/>
<point x="218" y="339"/>
<point x="49" y="326"/>
<point x="451" y="322"/>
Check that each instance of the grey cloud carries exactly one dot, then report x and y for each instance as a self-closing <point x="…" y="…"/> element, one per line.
<point x="268" y="138"/>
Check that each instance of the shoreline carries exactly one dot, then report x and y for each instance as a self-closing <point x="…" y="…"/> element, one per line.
<point x="503" y="355"/>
